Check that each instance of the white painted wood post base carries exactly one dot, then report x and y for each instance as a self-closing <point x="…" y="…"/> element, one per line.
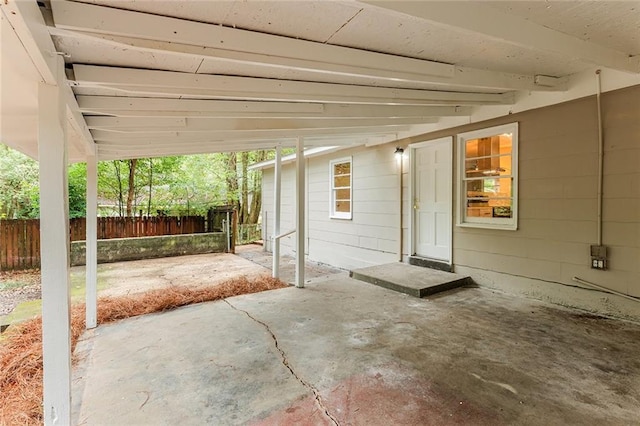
<point x="54" y="237"/>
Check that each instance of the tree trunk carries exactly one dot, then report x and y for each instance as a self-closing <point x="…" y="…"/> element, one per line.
<point x="132" y="187"/>
<point x="256" y="201"/>
<point x="232" y="179"/>
<point x="116" y="166"/>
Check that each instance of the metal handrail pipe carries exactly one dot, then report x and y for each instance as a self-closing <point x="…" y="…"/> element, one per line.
<point x="284" y="234"/>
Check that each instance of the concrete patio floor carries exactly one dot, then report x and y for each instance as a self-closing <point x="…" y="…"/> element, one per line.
<point x="345" y="352"/>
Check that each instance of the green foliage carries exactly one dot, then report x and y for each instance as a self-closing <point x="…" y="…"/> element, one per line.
<point x="187" y="185"/>
<point x="77" y="190"/>
<point x="200" y="184"/>
<point x="19" y="185"/>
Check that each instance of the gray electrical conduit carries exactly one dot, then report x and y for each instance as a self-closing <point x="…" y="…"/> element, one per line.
<point x="600" y="177"/>
<point x="608" y="290"/>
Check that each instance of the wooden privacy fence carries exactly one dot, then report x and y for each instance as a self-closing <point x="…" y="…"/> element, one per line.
<point x="128" y="227"/>
<point x="19" y="244"/>
<point x="20" y="238"/>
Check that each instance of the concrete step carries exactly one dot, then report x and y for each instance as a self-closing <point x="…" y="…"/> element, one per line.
<point x="409" y="279"/>
<point x="430" y="263"/>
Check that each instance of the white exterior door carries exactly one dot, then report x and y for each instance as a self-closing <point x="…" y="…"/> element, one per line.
<point x="432" y="199"/>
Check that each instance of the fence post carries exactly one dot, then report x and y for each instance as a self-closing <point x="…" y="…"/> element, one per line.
<point x="235" y="231"/>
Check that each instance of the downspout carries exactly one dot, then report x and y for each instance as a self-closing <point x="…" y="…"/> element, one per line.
<point x="600" y="155"/>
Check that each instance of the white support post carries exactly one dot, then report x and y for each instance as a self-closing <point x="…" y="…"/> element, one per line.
<point x="300" y="213"/>
<point x="401" y="195"/>
<point x="54" y="236"/>
<point x="277" y="192"/>
<point x="92" y="243"/>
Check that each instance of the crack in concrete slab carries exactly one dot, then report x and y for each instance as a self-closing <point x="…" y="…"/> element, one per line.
<point x="285" y="362"/>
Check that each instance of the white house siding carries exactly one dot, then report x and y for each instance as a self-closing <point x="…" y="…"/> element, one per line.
<point x="557" y="206"/>
<point x="371" y="237"/>
<point x="287" y="209"/>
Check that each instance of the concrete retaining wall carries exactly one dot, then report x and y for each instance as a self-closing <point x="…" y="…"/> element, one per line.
<point x="119" y="249"/>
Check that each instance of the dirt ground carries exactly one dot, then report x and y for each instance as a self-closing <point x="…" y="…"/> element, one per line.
<point x="18" y="287"/>
<point x="192" y="271"/>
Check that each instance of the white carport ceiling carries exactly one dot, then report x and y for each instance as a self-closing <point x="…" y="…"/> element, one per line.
<point x="157" y="78"/>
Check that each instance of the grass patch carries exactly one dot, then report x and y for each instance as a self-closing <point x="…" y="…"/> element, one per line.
<point x="21" y="350"/>
<point x="22" y="312"/>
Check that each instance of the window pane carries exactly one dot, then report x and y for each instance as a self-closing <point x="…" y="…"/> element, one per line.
<point x="489" y="146"/>
<point x="488" y="211"/>
<point x="343" y="206"/>
<point x="341" y="181"/>
<point x="505" y="144"/>
<point x="342" y="169"/>
<point x="343" y="194"/>
<point x="488" y="177"/>
<point x="489" y="188"/>
<point x="492" y="166"/>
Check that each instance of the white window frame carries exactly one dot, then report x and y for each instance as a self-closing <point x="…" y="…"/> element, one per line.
<point x="333" y="214"/>
<point x="462" y="220"/>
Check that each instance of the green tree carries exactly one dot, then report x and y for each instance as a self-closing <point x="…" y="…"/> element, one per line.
<point x="200" y="183"/>
<point x="244" y="186"/>
<point x="138" y="185"/>
<point x="169" y="185"/>
<point x="78" y="190"/>
<point x="19" y="197"/>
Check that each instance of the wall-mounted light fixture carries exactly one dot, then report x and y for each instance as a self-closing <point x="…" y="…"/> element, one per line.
<point x="399" y="152"/>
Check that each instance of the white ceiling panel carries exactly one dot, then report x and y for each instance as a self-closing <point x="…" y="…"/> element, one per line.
<point x="412" y="37"/>
<point x="379" y="63"/>
<point x="308" y="20"/>
<point x="213" y="12"/>
<point x="613" y="24"/>
<point x="498" y="28"/>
